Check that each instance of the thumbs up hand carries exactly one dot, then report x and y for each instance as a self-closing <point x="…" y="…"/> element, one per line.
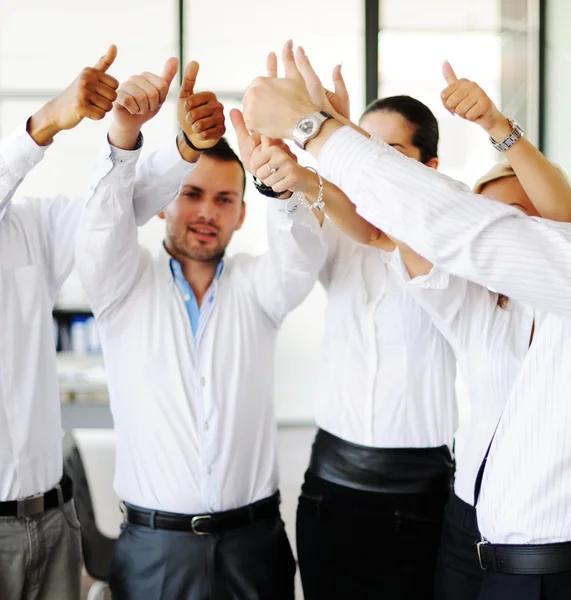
<point x="140" y="98"/>
<point x="469" y="101"/>
<point x="90" y="96"/>
<point x="200" y="115"/>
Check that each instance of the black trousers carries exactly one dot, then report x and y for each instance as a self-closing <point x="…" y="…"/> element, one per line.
<point x="253" y="562"/>
<point x="458" y="574"/>
<point x="367" y="545"/>
<point x="498" y="586"/>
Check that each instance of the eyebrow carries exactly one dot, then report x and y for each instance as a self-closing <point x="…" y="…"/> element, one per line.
<point x="194" y="188"/>
<point x="397" y="144"/>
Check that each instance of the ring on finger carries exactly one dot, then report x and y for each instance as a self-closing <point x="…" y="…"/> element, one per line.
<point x="270" y="169"/>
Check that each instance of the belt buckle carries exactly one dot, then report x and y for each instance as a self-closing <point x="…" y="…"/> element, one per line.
<point x="196" y="520"/>
<point x="479" y="545"/>
<point x="30" y="506"/>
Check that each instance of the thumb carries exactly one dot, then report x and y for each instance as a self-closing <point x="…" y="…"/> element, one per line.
<point x="448" y="73"/>
<point x="107" y="59"/>
<point x="170" y="69"/>
<point x="237" y="119"/>
<point x="189" y="78"/>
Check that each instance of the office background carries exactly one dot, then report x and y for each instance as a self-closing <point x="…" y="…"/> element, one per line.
<point x="519" y="51"/>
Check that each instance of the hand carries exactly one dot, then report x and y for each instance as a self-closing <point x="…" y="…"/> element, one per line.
<point x="200" y="115"/>
<point x="90" y="96"/>
<point x="272" y="106"/>
<point x="276" y="168"/>
<point x="140" y="98"/>
<point x="469" y="101"/>
<point x="336" y="103"/>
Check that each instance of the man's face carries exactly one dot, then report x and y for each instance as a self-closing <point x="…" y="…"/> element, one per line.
<point x="209" y="208"/>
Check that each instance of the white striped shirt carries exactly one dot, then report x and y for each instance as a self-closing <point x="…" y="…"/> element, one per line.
<point x="386" y="375"/>
<point x="490" y="343"/>
<point x="526" y="492"/>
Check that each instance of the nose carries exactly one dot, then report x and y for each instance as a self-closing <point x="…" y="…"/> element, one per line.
<point x="207" y="210"/>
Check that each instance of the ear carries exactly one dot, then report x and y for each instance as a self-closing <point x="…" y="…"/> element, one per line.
<point x="433" y="163"/>
<point x="242" y="216"/>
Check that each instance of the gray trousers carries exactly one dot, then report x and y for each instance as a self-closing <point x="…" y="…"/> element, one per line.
<point x="40" y="556"/>
<point x="254" y="562"/>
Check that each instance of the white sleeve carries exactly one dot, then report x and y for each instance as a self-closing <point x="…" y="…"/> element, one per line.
<point x="285" y="274"/>
<point x="108" y="257"/>
<point x="19" y="154"/>
<point x="527" y="259"/>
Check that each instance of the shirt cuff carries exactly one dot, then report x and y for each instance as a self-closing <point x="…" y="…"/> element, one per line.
<point x="20" y="153"/>
<point x="435" y="279"/>
<point x="291" y="212"/>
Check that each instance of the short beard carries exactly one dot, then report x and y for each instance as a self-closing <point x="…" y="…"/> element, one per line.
<point x="204" y="255"/>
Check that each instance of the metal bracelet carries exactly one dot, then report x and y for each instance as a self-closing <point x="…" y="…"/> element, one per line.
<point x="319" y="203"/>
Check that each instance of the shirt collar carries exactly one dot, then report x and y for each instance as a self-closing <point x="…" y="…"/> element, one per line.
<point x="166" y="262"/>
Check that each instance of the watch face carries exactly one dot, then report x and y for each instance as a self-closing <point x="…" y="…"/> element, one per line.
<point x="306" y="127"/>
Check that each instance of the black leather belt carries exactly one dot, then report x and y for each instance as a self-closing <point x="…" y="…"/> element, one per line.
<point x="40" y="503"/>
<point x="381" y="470"/>
<point x="207" y="524"/>
<point x="525" y="559"/>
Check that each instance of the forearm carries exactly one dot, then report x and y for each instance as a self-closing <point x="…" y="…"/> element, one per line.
<point x="467" y="235"/>
<point x="415" y="264"/>
<point x="544" y="184"/>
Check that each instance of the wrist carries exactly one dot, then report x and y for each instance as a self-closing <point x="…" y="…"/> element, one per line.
<point x="500" y="129"/>
<point x="43" y="126"/>
<point x="315" y="145"/>
<point x="124" y="139"/>
<point x="186" y="152"/>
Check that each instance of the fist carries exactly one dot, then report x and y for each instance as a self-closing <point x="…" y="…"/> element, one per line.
<point x="140" y="98"/>
<point x="90" y="96"/>
<point x="277" y="168"/>
<point x="469" y="101"/>
<point x="200" y="115"/>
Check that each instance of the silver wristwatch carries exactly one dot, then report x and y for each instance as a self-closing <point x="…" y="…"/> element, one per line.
<point x="512" y="138"/>
<point x="308" y="127"/>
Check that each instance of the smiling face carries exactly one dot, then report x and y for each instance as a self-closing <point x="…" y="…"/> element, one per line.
<point x="200" y="222"/>
<point x="508" y="190"/>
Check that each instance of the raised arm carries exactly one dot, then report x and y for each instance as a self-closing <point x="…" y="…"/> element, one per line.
<point x="107" y="253"/>
<point x="544" y="184"/>
<point x="287" y="272"/>
<point x="495" y="245"/>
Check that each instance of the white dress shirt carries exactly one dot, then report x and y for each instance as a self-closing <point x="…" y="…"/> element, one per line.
<point x="526" y="490"/>
<point x="490" y="343"/>
<point x="195" y="424"/>
<point x="37" y="240"/>
<point x="387" y="375"/>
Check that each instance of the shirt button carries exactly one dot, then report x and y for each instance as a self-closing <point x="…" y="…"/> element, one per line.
<point x="187" y="298"/>
<point x="206" y="426"/>
<point x="202" y="381"/>
<point x="209" y="470"/>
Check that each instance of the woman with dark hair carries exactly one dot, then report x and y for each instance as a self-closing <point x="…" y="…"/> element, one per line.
<point x="371" y="508"/>
<point x="490" y="333"/>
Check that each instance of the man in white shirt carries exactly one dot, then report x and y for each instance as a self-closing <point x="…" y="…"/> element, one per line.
<point x="526" y="488"/>
<point x="189" y="342"/>
<point x="40" y="553"/>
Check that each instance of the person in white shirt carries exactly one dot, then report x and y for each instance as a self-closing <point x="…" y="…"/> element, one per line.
<point x="189" y="336"/>
<point x="40" y="554"/>
<point x="381" y="466"/>
<point x="522" y="513"/>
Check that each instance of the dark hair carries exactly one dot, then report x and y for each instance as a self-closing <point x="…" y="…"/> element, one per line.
<point x="425" y="136"/>
<point x="222" y="151"/>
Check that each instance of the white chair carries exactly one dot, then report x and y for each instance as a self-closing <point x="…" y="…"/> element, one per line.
<point x="89" y="459"/>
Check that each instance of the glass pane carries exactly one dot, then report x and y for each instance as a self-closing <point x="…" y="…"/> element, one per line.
<point x="33" y="56"/>
<point x="235" y="52"/>
<point x="411" y="63"/>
